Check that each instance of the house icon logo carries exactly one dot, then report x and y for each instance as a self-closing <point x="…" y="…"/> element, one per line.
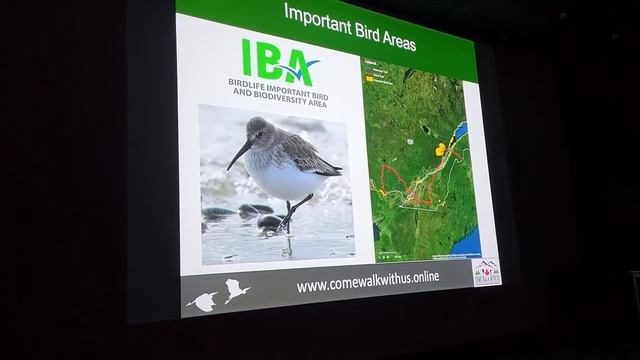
<point x="486" y="272"/>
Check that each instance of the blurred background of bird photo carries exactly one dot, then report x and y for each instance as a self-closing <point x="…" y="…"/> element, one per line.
<point x="233" y="205"/>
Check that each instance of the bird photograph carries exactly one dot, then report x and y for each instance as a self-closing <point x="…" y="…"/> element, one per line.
<point x="273" y="187"/>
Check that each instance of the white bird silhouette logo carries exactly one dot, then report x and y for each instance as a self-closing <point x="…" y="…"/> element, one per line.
<point x="204" y="302"/>
<point x="234" y="289"/>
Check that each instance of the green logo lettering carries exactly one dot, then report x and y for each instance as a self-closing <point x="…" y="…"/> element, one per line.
<point x="268" y="54"/>
<point x="296" y="61"/>
<point x="267" y="57"/>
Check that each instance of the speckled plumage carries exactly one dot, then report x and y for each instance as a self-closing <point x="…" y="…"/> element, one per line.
<point x="305" y="156"/>
<point x="277" y="147"/>
<point x="283" y="164"/>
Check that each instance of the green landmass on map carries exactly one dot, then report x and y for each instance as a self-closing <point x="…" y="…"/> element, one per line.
<point x="420" y="175"/>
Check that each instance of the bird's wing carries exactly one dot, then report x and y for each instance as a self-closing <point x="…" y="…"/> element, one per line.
<point x="305" y="156"/>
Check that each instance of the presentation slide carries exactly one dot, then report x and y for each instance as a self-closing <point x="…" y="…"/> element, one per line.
<point x="326" y="152"/>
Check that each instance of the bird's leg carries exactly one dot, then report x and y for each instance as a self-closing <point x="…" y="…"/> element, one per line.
<point x="288" y="210"/>
<point x="293" y="209"/>
<point x="282" y="222"/>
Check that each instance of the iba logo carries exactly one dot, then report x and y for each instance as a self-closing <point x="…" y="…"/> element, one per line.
<point x="267" y="57"/>
<point x="486" y="273"/>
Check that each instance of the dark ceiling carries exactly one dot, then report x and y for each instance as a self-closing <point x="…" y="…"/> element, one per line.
<point x="502" y="20"/>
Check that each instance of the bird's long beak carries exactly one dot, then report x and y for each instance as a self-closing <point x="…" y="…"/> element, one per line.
<point x="243" y="150"/>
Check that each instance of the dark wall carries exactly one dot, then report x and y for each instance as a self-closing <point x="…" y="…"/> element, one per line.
<point x="68" y="157"/>
<point x="567" y="104"/>
<point x="568" y="98"/>
<point x="599" y="95"/>
<point x="541" y="172"/>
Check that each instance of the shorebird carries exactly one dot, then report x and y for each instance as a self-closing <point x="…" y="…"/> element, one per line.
<point x="283" y="164"/>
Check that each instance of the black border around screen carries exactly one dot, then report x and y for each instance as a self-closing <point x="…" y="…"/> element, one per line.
<point x="153" y="244"/>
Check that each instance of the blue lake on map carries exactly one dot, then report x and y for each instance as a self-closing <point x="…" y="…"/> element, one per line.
<point x="460" y="130"/>
<point x="469" y="245"/>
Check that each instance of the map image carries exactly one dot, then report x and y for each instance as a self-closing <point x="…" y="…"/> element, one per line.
<point x="421" y="185"/>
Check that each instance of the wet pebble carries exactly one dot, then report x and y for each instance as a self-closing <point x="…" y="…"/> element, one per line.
<point x="214" y="213"/>
<point x="246" y="210"/>
<point x="269" y="222"/>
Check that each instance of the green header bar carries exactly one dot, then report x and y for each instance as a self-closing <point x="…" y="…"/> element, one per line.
<point x="344" y="27"/>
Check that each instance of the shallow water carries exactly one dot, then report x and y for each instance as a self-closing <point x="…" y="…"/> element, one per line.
<point x="317" y="232"/>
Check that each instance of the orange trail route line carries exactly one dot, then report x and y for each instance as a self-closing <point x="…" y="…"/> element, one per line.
<point x="410" y="192"/>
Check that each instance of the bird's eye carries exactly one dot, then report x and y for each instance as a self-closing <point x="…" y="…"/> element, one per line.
<point x="259" y="134"/>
